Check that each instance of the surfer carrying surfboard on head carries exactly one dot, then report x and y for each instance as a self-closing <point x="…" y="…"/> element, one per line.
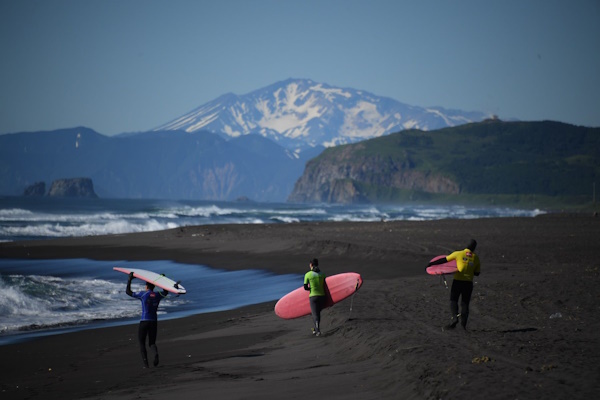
<point x="149" y="322"/>
<point x="468" y="265"/>
<point x="314" y="281"/>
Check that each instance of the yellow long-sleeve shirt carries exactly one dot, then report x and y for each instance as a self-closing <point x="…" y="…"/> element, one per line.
<point x="468" y="264"/>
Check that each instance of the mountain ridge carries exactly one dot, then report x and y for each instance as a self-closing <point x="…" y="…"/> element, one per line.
<point x="301" y="113"/>
<point x="489" y="158"/>
<point x="162" y="165"/>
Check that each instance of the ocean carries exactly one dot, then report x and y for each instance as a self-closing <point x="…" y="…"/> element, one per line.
<point x="45" y="297"/>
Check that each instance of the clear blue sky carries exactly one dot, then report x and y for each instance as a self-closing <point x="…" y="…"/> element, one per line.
<point x="131" y="65"/>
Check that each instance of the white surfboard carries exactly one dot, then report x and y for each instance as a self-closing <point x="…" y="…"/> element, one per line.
<point x="158" y="280"/>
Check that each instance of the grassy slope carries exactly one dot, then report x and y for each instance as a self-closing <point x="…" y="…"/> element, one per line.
<point x="526" y="163"/>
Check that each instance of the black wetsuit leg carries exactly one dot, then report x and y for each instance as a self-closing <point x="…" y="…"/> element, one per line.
<point x="462" y="290"/>
<point x="316" y="305"/>
<point x="144" y="331"/>
<point x="152" y="332"/>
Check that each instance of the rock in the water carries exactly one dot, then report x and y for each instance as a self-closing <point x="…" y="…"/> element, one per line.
<point x="38" y="189"/>
<point x="74" y="187"/>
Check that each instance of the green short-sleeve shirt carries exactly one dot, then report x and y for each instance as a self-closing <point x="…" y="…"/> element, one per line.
<point x="316" y="281"/>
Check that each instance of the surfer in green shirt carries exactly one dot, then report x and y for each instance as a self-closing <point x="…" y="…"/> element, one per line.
<point x="468" y="265"/>
<point x="314" y="281"/>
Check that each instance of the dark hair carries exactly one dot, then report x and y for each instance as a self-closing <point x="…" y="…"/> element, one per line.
<point x="150" y="286"/>
<point x="314" y="262"/>
<point x="472" y="245"/>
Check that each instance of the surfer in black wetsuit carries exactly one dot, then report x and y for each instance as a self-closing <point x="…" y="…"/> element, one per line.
<point x="149" y="322"/>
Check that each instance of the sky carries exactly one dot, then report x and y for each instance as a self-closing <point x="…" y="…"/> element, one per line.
<point x="132" y="65"/>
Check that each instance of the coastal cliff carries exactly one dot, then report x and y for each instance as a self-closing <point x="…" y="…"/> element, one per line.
<point x="350" y="175"/>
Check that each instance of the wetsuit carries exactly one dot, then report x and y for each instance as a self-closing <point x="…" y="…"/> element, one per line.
<point x="314" y="281"/>
<point x="468" y="265"/>
<point x="149" y="322"/>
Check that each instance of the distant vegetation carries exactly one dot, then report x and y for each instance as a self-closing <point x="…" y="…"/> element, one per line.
<point x="525" y="163"/>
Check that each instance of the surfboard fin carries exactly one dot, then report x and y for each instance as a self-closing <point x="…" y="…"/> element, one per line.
<point x="444" y="279"/>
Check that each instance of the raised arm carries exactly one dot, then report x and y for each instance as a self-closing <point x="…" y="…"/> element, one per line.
<point x="128" y="289"/>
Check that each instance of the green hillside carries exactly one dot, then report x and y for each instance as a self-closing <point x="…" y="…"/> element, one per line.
<point x="488" y="161"/>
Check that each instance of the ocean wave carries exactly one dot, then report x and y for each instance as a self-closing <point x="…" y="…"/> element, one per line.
<point x="202" y="211"/>
<point x="58" y="218"/>
<point x="286" y="220"/>
<point x="295" y="211"/>
<point x="14" y="213"/>
<point x="37" y="302"/>
<point x="355" y="218"/>
<point x="41" y="301"/>
<point x="42" y="295"/>
<point x="53" y="230"/>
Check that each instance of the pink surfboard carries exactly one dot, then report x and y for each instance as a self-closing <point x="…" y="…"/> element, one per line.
<point x="296" y="304"/>
<point x="442" y="269"/>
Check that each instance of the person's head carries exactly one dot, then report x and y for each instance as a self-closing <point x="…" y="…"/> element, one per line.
<point x="472" y="245"/>
<point x="149" y="286"/>
<point x="314" y="263"/>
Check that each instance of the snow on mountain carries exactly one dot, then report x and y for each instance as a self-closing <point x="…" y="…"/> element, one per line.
<point x="301" y="113"/>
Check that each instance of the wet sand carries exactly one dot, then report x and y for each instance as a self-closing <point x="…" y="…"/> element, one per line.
<point x="532" y="333"/>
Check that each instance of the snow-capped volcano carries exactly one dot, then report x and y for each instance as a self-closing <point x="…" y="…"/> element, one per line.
<point x="298" y="113"/>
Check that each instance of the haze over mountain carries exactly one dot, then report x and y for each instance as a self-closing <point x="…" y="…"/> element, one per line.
<point x="253" y="146"/>
<point x="301" y="113"/>
<point x="157" y="165"/>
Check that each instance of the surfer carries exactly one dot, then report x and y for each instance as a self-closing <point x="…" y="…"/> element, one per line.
<point x="468" y="266"/>
<point x="314" y="281"/>
<point x="149" y="321"/>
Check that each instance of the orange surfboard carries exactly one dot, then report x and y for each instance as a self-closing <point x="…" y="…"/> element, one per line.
<point x="338" y="287"/>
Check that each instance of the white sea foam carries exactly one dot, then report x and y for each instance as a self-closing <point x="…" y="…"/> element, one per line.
<point x="84" y="228"/>
<point x="32" y="302"/>
<point x="14" y="213"/>
<point x="58" y="219"/>
<point x="205" y="211"/>
<point x="286" y="220"/>
<point x="292" y="211"/>
<point x="75" y="293"/>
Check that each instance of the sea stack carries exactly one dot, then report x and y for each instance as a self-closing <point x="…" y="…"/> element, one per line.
<point x="74" y="187"/>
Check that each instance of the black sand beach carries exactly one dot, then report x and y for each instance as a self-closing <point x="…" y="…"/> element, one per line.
<point x="533" y="329"/>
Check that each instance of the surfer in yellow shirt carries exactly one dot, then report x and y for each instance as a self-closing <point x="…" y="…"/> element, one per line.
<point x="314" y="281"/>
<point x="468" y="265"/>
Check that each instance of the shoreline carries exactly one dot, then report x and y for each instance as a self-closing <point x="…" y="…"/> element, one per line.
<point x="390" y="345"/>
